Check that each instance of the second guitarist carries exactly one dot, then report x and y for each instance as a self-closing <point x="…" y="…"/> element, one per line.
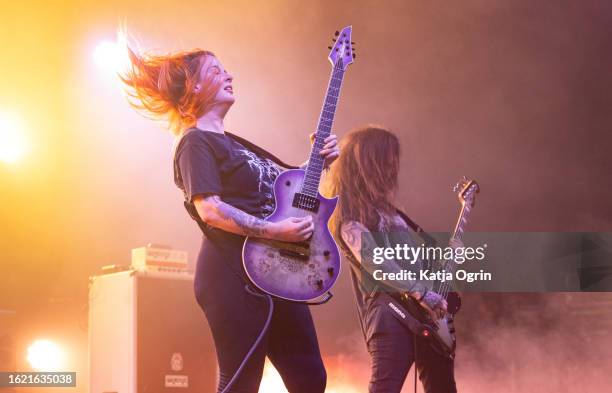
<point x="365" y="178"/>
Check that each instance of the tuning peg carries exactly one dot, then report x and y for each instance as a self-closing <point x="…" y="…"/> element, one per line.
<point x="329" y="47"/>
<point x="337" y="33"/>
<point x="352" y="43"/>
<point x="354" y="56"/>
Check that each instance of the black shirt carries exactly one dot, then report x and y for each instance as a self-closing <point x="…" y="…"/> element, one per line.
<point x="212" y="163"/>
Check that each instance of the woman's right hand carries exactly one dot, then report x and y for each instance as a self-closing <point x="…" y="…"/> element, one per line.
<point x="435" y="304"/>
<point x="292" y="229"/>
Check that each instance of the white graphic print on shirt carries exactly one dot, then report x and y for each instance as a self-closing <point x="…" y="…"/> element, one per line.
<point x="267" y="171"/>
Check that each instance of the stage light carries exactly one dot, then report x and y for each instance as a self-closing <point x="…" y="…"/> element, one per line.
<point x="44" y="355"/>
<point x="12" y="140"/>
<point x="111" y="56"/>
<point x="271" y="380"/>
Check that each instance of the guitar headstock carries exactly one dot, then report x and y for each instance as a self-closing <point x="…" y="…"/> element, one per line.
<point x="466" y="190"/>
<point x="342" y="52"/>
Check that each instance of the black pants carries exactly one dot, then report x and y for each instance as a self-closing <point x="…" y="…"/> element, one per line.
<point x="393" y="354"/>
<point x="236" y="318"/>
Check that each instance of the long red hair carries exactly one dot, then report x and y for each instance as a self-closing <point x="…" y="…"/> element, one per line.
<point x="164" y="86"/>
<point x="364" y="177"/>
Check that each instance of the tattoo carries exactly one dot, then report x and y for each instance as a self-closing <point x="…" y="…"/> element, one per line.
<point x="360" y="245"/>
<point x="432" y="299"/>
<point x="250" y="226"/>
<point x="349" y="234"/>
<point x="363" y="243"/>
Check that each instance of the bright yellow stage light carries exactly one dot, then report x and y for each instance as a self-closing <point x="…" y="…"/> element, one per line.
<point x="44" y="355"/>
<point x="111" y="56"/>
<point x="12" y="139"/>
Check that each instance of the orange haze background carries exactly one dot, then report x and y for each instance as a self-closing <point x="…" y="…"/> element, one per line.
<point x="513" y="93"/>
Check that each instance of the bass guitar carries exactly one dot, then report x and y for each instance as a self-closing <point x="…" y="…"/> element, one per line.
<point x="307" y="270"/>
<point x="441" y="332"/>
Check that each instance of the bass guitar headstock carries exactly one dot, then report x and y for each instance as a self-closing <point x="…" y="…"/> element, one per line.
<point x="466" y="189"/>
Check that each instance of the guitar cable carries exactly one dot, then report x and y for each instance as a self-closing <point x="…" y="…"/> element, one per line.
<point x="415" y="362"/>
<point x="257" y="341"/>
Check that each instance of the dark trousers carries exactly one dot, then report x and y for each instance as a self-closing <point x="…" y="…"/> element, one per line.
<point x="394" y="353"/>
<point x="236" y="318"/>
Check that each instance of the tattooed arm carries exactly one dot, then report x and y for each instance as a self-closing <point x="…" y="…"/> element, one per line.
<point x="219" y="214"/>
<point x="362" y="244"/>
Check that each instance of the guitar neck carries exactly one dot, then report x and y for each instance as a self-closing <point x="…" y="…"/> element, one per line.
<point x="461" y="221"/>
<point x="315" y="164"/>
<point x="458" y="232"/>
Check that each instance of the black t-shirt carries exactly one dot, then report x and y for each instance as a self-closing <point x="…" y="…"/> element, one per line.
<point x="211" y="163"/>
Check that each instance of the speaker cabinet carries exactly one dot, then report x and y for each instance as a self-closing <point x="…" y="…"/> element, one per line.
<point x="147" y="334"/>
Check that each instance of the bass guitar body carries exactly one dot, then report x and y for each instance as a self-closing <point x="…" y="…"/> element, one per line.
<point x="300" y="271"/>
<point x="441" y="332"/>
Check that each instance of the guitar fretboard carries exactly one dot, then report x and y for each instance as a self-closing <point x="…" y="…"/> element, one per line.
<point x="450" y="266"/>
<point x="462" y="221"/>
<point x="315" y="164"/>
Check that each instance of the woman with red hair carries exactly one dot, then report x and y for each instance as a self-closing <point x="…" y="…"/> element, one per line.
<point x="228" y="187"/>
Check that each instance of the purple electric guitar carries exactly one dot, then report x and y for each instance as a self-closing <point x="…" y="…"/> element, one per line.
<point x="306" y="270"/>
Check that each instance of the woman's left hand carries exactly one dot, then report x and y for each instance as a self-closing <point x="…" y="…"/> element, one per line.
<point x="330" y="151"/>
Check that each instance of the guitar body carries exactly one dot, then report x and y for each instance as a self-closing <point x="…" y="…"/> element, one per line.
<point x="442" y="331"/>
<point x="294" y="271"/>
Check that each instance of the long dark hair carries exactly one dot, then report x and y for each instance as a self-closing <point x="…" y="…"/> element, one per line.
<point x="364" y="177"/>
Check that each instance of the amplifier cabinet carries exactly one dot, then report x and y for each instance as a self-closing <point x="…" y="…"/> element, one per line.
<point x="147" y="334"/>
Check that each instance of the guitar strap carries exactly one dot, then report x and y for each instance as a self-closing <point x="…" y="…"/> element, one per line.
<point x="429" y="241"/>
<point x="260" y="150"/>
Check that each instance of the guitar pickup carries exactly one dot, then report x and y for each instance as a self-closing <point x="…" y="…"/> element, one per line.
<point x="306" y="202"/>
